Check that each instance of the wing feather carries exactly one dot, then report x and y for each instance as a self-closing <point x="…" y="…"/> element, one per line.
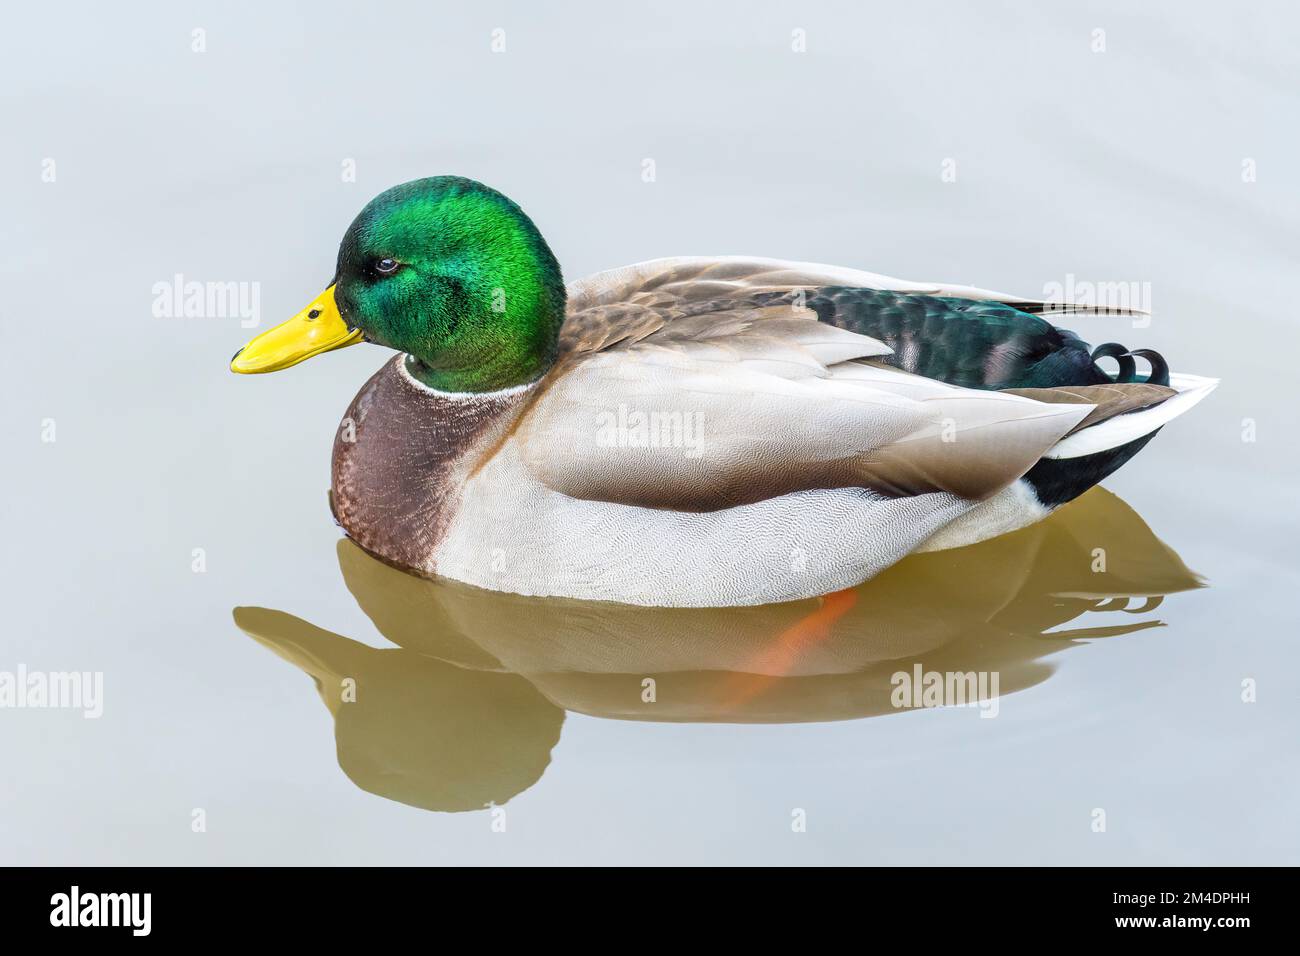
<point x="700" y="384"/>
<point x="703" y="423"/>
<point x="1116" y="398"/>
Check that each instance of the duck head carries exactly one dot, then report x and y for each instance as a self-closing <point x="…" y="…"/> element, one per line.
<point x="444" y="269"/>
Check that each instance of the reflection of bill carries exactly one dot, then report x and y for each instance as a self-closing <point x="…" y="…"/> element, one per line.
<point x="465" y="711"/>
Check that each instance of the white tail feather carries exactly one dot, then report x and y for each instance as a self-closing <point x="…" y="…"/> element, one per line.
<point x="1123" y="429"/>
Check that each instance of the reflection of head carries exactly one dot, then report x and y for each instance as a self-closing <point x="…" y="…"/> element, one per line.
<point x="417" y="730"/>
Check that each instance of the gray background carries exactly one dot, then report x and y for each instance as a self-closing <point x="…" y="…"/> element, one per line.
<point x="225" y="165"/>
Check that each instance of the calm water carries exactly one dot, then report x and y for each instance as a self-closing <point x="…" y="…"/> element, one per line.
<point x="174" y="534"/>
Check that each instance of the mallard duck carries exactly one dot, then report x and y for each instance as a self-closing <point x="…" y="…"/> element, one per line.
<point x="691" y="432"/>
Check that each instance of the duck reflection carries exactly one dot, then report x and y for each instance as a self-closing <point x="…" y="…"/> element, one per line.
<point x="464" y="712"/>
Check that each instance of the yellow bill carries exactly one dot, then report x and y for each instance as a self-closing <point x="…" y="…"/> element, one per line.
<point x="317" y="328"/>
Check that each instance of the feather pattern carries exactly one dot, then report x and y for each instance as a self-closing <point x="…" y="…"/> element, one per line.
<point x="962" y="335"/>
<point x="1107" y="400"/>
<point x="697" y="424"/>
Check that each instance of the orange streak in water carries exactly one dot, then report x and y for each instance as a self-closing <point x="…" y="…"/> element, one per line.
<point x="780" y="657"/>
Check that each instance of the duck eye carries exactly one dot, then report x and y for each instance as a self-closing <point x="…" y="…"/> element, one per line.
<point x="386" y="266"/>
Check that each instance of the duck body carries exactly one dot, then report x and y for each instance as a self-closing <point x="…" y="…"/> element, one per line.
<point x="711" y="432"/>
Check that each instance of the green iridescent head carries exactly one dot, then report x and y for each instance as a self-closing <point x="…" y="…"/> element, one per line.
<point x="457" y="276"/>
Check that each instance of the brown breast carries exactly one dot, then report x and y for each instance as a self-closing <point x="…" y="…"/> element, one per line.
<point x="401" y="455"/>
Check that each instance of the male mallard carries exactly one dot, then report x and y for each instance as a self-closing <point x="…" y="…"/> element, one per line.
<point x="690" y="431"/>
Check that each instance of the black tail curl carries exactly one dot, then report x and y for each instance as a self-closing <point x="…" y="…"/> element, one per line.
<point x="1159" y="374"/>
